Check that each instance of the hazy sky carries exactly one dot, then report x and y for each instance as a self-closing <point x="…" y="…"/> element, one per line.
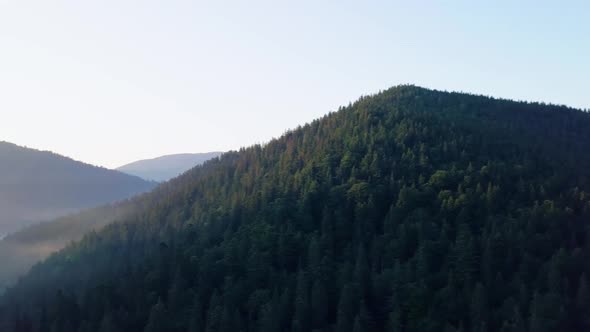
<point x="109" y="82"/>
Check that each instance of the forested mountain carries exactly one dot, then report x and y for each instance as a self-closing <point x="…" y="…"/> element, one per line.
<point x="40" y="185"/>
<point x="409" y="210"/>
<point x="19" y="251"/>
<point x="22" y="249"/>
<point x="166" y="167"/>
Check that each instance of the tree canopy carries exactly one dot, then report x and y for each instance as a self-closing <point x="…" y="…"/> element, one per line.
<point x="409" y="210"/>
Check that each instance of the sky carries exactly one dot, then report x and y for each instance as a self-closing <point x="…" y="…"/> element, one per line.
<point x="110" y="82"/>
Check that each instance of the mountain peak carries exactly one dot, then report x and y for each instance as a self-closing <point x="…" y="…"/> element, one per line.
<point x="399" y="211"/>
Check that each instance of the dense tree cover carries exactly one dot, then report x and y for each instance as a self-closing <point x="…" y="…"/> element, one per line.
<point x="410" y="210"/>
<point x="21" y="250"/>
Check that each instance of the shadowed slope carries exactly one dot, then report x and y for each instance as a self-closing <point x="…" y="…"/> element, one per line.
<point x="39" y="185"/>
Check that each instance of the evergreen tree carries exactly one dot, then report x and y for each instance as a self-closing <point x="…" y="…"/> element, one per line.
<point x="196" y="323"/>
<point x="157" y="319"/>
<point x="302" y="315"/>
<point x="107" y="324"/>
<point x="319" y="304"/>
<point x="583" y="303"/>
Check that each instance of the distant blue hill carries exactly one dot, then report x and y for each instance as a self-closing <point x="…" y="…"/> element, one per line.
<point x="41" y="185"/>
<point x="166" y="167"/>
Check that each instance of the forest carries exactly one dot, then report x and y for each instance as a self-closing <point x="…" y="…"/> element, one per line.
<point x="410" y="210"/>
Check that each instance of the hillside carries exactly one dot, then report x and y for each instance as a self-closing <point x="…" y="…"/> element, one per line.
<point x="409" y="210"/>
<point x="40" y="185"/>
<point x="166" y="167"/>
<point x="22" y="249"/>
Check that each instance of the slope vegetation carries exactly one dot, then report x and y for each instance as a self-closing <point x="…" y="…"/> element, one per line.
<point x="22" y="249"/>
<point x="409" y="210"/>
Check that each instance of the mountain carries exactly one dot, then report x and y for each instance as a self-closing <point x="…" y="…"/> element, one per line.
<point x="166" y="167"/>
<point x="408" y="210"/>
<point x="40" y="185"/>
<point x="22" y="249"/>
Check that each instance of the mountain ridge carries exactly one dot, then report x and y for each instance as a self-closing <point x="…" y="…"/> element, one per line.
<point x="165" y="167"/>
<point x="38" y="185"/>
<point x="411" y="209"/>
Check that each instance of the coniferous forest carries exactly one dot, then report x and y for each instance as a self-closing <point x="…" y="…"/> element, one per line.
<point x="410" y="210"/>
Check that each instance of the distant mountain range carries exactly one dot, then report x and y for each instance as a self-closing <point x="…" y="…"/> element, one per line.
<point x="40" y="185"/>
<point x="23" y="248"/>
<point x="166" y="167"/>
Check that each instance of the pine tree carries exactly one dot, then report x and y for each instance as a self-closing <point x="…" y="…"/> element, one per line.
<point x="157" y="319"/>
<point x="346" y="308"/>
<point x="394" y="323"/>
<point x="196" y="316"/>
<point x="357" y="326"/>
<point x="583" y="303"/>
<point x="302" y="315"/>
<point x="518" y="324"/>
<point x="465" y="255"/>
<point x="319" y="304"/>
<point x="362" y="273"/>
<point x="479" y="308"/>
<point x="107" y="324"/>
<point x="214" y="313"/>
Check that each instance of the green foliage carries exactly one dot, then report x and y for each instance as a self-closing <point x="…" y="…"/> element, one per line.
<point x="410" y="210"/>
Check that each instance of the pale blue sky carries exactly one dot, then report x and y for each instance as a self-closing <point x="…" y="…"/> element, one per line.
<point x="109" y="82"/>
